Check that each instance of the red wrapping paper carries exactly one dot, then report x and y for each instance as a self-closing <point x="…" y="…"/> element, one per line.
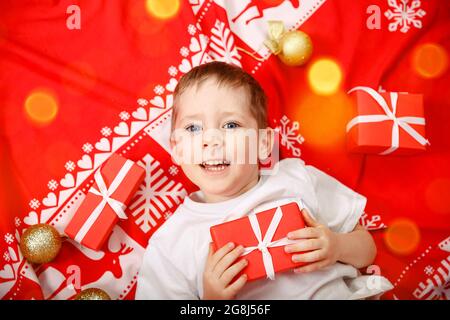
<point x="240" y="232"/>
<point x="102" y="227"/>
<point x="376" y="137"/>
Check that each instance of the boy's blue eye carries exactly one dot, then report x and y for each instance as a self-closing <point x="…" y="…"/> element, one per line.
<point x="193" y="128"/>
<point x="231" y="125"/>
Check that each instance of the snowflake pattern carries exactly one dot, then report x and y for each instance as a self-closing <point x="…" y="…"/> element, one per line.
<point x="290" y="137"/>
<point x="159" y="90"/>
<point x="437" y="286"/>
<point x="428" y="270"/>
<point x="52" y="184"/>
<point x="87" y="147"/>
<point x="106" y="131"/>
<point x="9" y="239"/>
<point x="404" y="15"/>
<point x="17" y="222"/>
<point x="155" y="196"/>
<point x="192" y="29"/>
<point x="184" y="52"/>
<point x="70" y="166"/>
<point x="124" y="115"/>
<point x="6" y="256"/>
<point x="142" y="102"/>
<point x="34" y="204"/>
<point x="173" y="170"/>
<point x="173" y="71"/>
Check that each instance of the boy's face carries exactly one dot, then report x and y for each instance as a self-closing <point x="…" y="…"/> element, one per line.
<point x="215" y="139"/>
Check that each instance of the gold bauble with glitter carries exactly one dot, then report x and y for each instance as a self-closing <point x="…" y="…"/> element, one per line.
<point x="40" y="243"/>
<point x="92" y="294"/>
<point x="294" y="48"/>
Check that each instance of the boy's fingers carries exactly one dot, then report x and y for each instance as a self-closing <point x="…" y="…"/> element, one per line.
<point x="312" y="256"/>
<point x="312" y="267"/>
<point x="310" y="222"/>
<point x="304" y="233"/>
<point x="209" y="258"/>
<point x="211" y="250"/>
<point x="304" y="245"/>
<point x="220" y="253"/>
<point x="232" y="271"/>
<point x="227" y="261"/>
<point x="236" y="286"/>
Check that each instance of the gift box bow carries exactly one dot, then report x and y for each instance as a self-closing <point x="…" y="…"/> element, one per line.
<point x="107" y="199"/>
<point x="398" y="122"/>
<point x="266" y="242"/>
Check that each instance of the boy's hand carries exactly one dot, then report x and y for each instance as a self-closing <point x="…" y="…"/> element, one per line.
<point x="220" y="269"/>
<point x="319" y="240"/>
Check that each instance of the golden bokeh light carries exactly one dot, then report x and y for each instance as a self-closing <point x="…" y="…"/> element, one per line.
<point x="402" y="236"/>
<point x="325" y="77"/>
<point x="437" y="196"/>
<point x="324" y="118"/>
<point x="163" y="9"/>
<point x="430" y="60"/>
<point x="41" y="107"/>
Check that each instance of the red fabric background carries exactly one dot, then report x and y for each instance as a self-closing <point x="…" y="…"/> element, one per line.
<point x="121" y="53"/>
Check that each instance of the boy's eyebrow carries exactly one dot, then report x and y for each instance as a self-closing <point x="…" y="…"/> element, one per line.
<point x="192" y="116"/>
<point x="198" y="115"/>
<point x="229" y="113"/>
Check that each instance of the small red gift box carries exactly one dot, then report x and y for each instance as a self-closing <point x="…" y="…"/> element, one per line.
<point x="115" y="183"/>
<point x="263" y="236"/>
<point x="387" y="122"/>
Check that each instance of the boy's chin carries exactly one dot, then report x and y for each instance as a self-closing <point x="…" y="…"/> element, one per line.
<point x="219" y="188"/>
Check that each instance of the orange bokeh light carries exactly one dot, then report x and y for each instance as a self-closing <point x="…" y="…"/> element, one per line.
<point x="430" y="60"/>
<point x="325" y="76"/>
<point x="41" y="107"/>
<point x="402" y="236"/>
<point x="323" y="119"/>
<point x="163" y="9"/>
<point x="147" y="26"/>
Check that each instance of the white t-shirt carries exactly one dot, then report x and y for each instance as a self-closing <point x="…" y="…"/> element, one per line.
<point x="174" y="260"/>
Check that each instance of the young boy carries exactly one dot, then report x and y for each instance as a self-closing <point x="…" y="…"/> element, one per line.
<point x="215" y="106"/>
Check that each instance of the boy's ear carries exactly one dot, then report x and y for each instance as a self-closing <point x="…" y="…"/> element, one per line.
<point x="266" y="142"/>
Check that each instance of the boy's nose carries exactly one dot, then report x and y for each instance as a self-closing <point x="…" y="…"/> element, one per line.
<point x="214" y="143"/>
<point x="212" y="140"/>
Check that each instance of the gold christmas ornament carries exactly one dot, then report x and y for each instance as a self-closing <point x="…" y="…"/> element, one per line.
<point x="40" y="243"/>
<point x="293" y="47"/>
<point x="92" y="294"/>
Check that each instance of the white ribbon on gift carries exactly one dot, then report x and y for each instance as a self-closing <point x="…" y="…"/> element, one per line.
<point x="104" y="192"/>
<point x="264" y="244"/>
<point x="402" y="122"/>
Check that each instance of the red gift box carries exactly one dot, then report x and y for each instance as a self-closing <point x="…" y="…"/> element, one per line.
<point x="265" y="255"/>
<point x="387" y="122"/>
<point x="114" y="185"/>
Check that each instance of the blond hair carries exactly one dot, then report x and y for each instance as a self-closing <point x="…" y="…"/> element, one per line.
<point x="230" y="75"/>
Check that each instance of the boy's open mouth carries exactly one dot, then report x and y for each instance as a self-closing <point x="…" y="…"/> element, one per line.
<point x="215" y="165"/>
